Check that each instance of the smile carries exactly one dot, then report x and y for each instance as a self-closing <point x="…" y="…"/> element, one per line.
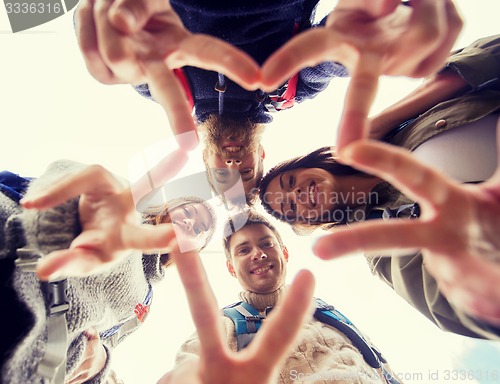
<point x="312" y="193"/>
<point x="262" y="270"/>
<point x="233" y="148"/>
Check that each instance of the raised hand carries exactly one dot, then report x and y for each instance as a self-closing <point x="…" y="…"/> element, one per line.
<point x="139" y="41"/>
<point x="371" y="38"/>
<point x="108" y="220"/>
<point x="258" y="362"/>
<point x="457" y="231"/>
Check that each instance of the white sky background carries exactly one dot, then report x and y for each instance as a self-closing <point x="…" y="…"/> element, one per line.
<point x="51" y="108"/>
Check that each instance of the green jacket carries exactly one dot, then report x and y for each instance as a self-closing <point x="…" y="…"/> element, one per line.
<point x="479" y="65"/>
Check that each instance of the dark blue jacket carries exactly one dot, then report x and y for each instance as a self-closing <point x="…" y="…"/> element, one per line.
<point x="258" y="28"/>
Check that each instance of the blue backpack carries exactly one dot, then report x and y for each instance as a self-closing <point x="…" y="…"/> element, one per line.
<point x="247" y="321"/>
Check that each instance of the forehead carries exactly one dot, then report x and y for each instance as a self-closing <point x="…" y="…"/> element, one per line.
<point x="252" y="232"/>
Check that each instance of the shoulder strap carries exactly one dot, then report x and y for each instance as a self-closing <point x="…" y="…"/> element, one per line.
<point x="52" y="367"/>
<point x="329" y="315"/>
<point x="247" y="321"/>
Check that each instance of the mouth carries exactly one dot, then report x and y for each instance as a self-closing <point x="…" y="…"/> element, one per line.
<point x="233" y="149"/>
<point x="313" y="194"/>
<point x="261" y="270"/>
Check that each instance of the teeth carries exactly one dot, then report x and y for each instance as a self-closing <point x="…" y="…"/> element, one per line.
<point x="311" y="195"/>
<point x="233" y="149"/>
<point x="261" y="270"/>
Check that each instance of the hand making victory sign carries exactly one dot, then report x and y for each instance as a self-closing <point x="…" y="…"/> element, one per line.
<point x="371" y="38"/>
<point x="457" y="230"/>
<point x="258" y="362"/>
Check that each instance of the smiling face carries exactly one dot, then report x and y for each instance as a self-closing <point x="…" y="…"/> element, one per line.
<point x="258" y="261"/>
<point x="232" y="151"/>
<point x="192" y="220"/>
<point x="302" y="194"/>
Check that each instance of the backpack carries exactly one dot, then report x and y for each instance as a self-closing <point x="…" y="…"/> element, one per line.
<point x="247" y="321"/>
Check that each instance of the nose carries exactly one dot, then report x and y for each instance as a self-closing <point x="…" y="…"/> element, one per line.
<point x="296" y="195"/>
<point x="233" y="162"/>
<point x="188" y="223"/>
<point x="258" y="255"/>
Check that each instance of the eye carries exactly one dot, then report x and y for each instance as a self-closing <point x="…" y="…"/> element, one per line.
<point x="243" y="251"/>
<point x="291" y="181"/>
<point x="186" y="212"/>
<point x="268" y="244"/>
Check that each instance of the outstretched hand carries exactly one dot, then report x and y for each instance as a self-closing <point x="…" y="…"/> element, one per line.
<point x="139" y="41"/>
<point x="457" y="230"/>
<point x="108" y="220"/>
<point x="371" y="38"/>
<point x="258" y="362"/>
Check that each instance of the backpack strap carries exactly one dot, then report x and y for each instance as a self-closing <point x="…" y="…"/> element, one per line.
<point x="247" y="321"/>
<point x="329" y="315"/>
<point x="52" y="367"/>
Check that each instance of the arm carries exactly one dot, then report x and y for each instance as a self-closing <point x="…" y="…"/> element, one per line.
<point x="474" y="67"/>
<point x="439" y="87"/>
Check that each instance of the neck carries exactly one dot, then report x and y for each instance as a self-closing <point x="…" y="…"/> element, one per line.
<point x="263" y="300"/>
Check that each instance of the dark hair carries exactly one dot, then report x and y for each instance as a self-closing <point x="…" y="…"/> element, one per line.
<point x="324" y="158"/>
<point x="241" y="220"/>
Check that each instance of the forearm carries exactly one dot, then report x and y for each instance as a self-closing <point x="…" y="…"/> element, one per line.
<point x="440" y="87"/>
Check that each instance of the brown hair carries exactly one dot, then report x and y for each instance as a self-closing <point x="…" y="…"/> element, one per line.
<point x="241" y="220"/>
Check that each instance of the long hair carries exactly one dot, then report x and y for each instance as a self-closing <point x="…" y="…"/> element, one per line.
<point x="324" y="158"/>
<point x="160" y="214"/>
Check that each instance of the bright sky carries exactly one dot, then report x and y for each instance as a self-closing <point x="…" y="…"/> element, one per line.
<point x="51" y="108"/>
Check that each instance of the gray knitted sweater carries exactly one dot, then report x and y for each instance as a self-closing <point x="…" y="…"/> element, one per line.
<point x="99" y="301"/>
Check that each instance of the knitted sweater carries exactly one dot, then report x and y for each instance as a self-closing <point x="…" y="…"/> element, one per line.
<point x="258" y="28"/>
<point x="100" y="301"/>
<point x="322" y="354"/>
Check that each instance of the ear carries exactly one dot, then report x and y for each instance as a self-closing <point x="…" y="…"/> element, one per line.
<point x="230" y="268"/>
<point x="263" y="154"/>
<point x="285" y="253"/>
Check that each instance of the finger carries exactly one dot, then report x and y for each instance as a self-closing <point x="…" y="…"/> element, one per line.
<point x="149" y="237"/>
<point x="129" y="16"/>
<point x="168" y="92"/>
<point x="284" y="324"/>
<point x="377" y="235"/>
<point x="307" y="49"/>
<point x="87" y="39"/>
<point x="202" y="302"/>
<point x="397" y="166"/>
<point x="68" y="262"/>
<point x="116" y="53"/>
<point x="361" y="92"/>
<point x="436" y="60"/>
<point x="473" y="287"/>
<point x="213" y="54"/>
<point x="169" y="166"/>
<point x="375" y="8"/>
<point x="92" y="179"/>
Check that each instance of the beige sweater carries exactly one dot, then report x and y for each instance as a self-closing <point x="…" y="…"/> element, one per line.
<point x="322" y="353"/>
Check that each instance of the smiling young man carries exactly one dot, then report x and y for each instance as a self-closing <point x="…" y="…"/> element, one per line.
<point x="257" y="257"/>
